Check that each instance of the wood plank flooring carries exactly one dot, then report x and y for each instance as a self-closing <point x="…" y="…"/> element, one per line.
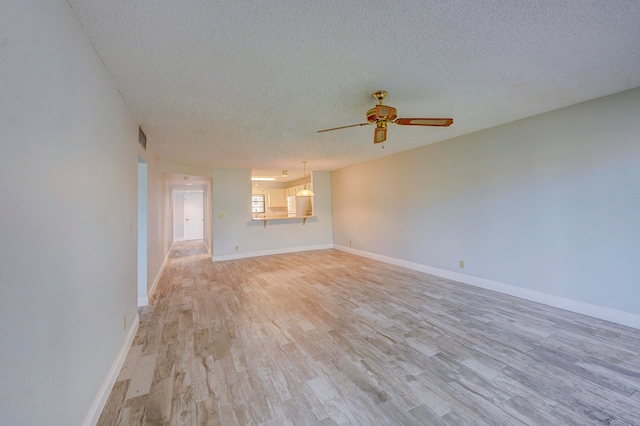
<point x="326" y="338"/>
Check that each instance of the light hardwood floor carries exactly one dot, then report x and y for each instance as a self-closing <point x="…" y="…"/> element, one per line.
<point x="326" y="337"/>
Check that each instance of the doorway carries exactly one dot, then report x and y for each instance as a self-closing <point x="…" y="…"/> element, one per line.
<point x="193" y="216"/>
<point x="188" y="214"/>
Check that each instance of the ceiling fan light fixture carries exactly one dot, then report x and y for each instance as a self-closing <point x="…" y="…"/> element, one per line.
<point x="380" y="135"/>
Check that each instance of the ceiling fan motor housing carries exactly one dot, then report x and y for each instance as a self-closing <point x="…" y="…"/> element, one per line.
<point x="381" y="113"/>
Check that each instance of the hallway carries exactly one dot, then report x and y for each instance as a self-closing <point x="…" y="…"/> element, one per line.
<point x="326" y="337"/>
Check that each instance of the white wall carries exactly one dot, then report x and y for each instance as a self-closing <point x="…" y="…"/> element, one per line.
<point x="142" y="232"/>
<point x="67" y="203"/>
<point x="206" y="199"/>
<point x="231" y="196"/>
<point x="178" y="215"/>
<point x="549" y="203"/>
<point x="158" y="221"/>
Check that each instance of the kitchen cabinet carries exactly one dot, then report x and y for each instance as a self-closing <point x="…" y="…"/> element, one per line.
<point x="276" y="197"/>
<point x="287" y="192"/>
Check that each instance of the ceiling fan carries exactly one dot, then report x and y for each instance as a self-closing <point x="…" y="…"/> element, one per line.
<point x="381" y="115"/>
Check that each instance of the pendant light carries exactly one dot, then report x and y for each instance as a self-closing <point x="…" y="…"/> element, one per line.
<point x="305" y="192"/>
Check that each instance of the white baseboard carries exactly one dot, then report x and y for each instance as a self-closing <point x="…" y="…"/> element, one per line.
<point x="144" y="300"/>
<point x="600" y="312"/>
<point x="103" y="394"/>
<point x="270" y="252"/>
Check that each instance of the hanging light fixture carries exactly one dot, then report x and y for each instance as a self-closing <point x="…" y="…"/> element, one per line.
<point x="305" y="192"/>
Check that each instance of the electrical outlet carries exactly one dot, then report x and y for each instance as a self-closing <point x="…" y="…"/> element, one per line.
<point x="124" y="322"/>
<point x="133" y="227"/>
<point x="462" y="264"/>
<point x="236" y="248"/>
<point x="349" y="242"/>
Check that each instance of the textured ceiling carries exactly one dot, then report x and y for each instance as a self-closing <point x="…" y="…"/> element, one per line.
<point x="246" y="84"/>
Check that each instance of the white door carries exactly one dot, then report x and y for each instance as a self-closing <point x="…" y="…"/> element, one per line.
<point x="193" y="216"/>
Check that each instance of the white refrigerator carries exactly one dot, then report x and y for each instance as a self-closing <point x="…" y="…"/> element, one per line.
<point x="298" y="206"/>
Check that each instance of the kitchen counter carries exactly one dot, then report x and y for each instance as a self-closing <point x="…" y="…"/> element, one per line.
<point x="268" y="218"/>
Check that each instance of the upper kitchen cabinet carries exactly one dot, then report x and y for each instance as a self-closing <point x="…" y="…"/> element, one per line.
<point x="276" y="197"/>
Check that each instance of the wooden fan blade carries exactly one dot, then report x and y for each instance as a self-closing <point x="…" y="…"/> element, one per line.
<point x="344" y="127"/>
<point x="380" y="135"/>
<point x="441" y="122"/>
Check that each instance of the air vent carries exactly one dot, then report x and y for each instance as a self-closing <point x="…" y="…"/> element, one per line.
<point x="142" y="138"/>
